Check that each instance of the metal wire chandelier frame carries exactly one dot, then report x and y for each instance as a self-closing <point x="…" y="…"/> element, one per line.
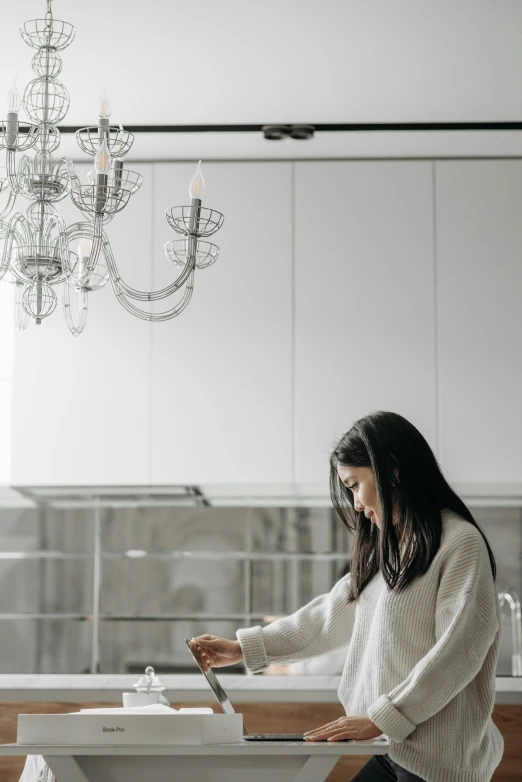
<point x="38" y="251"/>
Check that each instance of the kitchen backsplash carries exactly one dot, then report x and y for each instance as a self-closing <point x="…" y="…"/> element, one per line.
<point x="168" y="573"/>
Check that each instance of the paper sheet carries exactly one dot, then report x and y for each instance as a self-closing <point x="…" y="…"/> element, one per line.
<point x="152" y="708"/>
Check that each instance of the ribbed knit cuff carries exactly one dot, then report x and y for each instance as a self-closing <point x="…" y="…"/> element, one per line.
<point x="253" y="648"/>
<point x="389" y="719"/>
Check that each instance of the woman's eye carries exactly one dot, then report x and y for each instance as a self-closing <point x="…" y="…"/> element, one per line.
<point x="353" y="486"/>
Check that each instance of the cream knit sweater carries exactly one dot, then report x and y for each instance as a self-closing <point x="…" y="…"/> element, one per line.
<point x="420" y="663"/>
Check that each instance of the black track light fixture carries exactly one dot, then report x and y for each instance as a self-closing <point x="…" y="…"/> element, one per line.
<point x="301" y="132"/>
<point x="275" y="132"/>
<point x="279" y="132"/>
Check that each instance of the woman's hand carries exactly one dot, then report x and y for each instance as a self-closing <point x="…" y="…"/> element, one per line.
<point x="214" y="652"/>
<point x="356" y="728"/>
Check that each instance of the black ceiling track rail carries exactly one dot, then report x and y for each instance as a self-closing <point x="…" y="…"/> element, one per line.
<point x="339" y="127"/>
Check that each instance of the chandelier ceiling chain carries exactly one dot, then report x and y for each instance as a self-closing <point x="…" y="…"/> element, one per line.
<point x="40" y="251"/>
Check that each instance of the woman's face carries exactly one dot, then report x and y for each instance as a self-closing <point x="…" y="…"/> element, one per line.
<point x="361" y="482"/>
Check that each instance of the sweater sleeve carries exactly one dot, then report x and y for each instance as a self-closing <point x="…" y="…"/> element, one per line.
<point x="322" y="625"/>
<point x="466" y="623"/>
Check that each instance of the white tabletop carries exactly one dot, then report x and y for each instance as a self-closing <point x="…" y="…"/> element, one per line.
<point x="372" y="747"/>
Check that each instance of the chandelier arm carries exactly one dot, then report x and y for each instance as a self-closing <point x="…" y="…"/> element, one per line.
<point x="11" y="230"/>
<point x="4" y="261"/>
<point x="133" y="293"/>
<point x="20" y="314"/>
<point x="13" y="178"/>
<point x="11" y="200"/>
<point x="66" y="162"/>
<point x="156" y="317"/>
<point x="75" y="328"/>
<point x="97" y="242"/>
<point x="56" y="220"/>
<point x="82" y="230"/>
<point x="19" y="218"/>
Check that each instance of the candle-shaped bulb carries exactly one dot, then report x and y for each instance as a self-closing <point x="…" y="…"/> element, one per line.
<point x="104" y="104"/>
<point x="102" y="159"/>
<point x="84" y="251"/>
<point x="84" y="247"/>
<point x="14" y="99"/>
<point x="197" y="184"/>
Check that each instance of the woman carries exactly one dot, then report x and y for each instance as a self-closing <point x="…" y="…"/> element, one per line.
<point x="418" y="611"/>
<point x="330" y="663"/>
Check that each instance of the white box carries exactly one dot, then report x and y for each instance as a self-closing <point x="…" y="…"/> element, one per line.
<point x="137" y="729"/>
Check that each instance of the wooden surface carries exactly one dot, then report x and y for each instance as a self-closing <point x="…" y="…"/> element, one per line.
<point x="272" y="717"/>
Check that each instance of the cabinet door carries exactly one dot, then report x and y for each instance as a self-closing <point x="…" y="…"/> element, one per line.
<point x="80" y="404"/>
<point x="6" y="377"/>
<point x="364" y="302"/>
<point x="479" y="252"/>
<point x="221" y="371"/>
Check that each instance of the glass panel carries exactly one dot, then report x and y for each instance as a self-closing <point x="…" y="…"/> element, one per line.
<point x="166" y="582"/>
<point x="280" y="588"/>
<point x="160" y="530"/>
<point x="305" y="530"/>
<point x="19" y="529"/>
<point x="30" y="530"/>
<point x="503" y="529"/>
<point x="40" y="586"/>
<point x="68" y="529"/>
<point x="161" y="586"/>
<point x="128" y="647"/>
<point x="45" y="646"/>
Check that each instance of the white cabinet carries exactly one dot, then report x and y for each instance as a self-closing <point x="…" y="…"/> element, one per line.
<point x="331" y="298"/>
<point x="479" y="265"/>
<point x="364" y="301"/>
<point x="80" y="404"/>
<point x="221" y="371"/>
<point x="6" y="377"/>
<point x="5" y="428"/>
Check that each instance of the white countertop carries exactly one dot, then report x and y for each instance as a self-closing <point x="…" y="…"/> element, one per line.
<point x="193" y="688"/>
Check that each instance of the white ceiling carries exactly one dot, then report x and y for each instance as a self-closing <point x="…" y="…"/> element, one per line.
<point x="265" y="61"/>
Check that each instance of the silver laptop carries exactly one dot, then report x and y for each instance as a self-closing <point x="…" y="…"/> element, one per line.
<point x="227" y="708"/>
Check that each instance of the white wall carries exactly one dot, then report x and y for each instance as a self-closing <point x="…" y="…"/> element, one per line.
<point x="6" y="378"/>
<point x="297" y="60"/>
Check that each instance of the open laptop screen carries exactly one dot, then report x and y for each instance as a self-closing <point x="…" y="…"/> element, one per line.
<point x="216" y="687"/>
<point x="227" y="707"/>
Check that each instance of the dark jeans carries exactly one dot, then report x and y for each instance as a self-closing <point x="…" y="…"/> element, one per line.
<point x="381" y="769"/>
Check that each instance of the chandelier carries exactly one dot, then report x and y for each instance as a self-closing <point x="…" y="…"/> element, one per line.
<point x="41" y="254"/>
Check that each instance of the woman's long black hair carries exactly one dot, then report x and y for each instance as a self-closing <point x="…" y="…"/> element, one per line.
<point x="387" y="442"/>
